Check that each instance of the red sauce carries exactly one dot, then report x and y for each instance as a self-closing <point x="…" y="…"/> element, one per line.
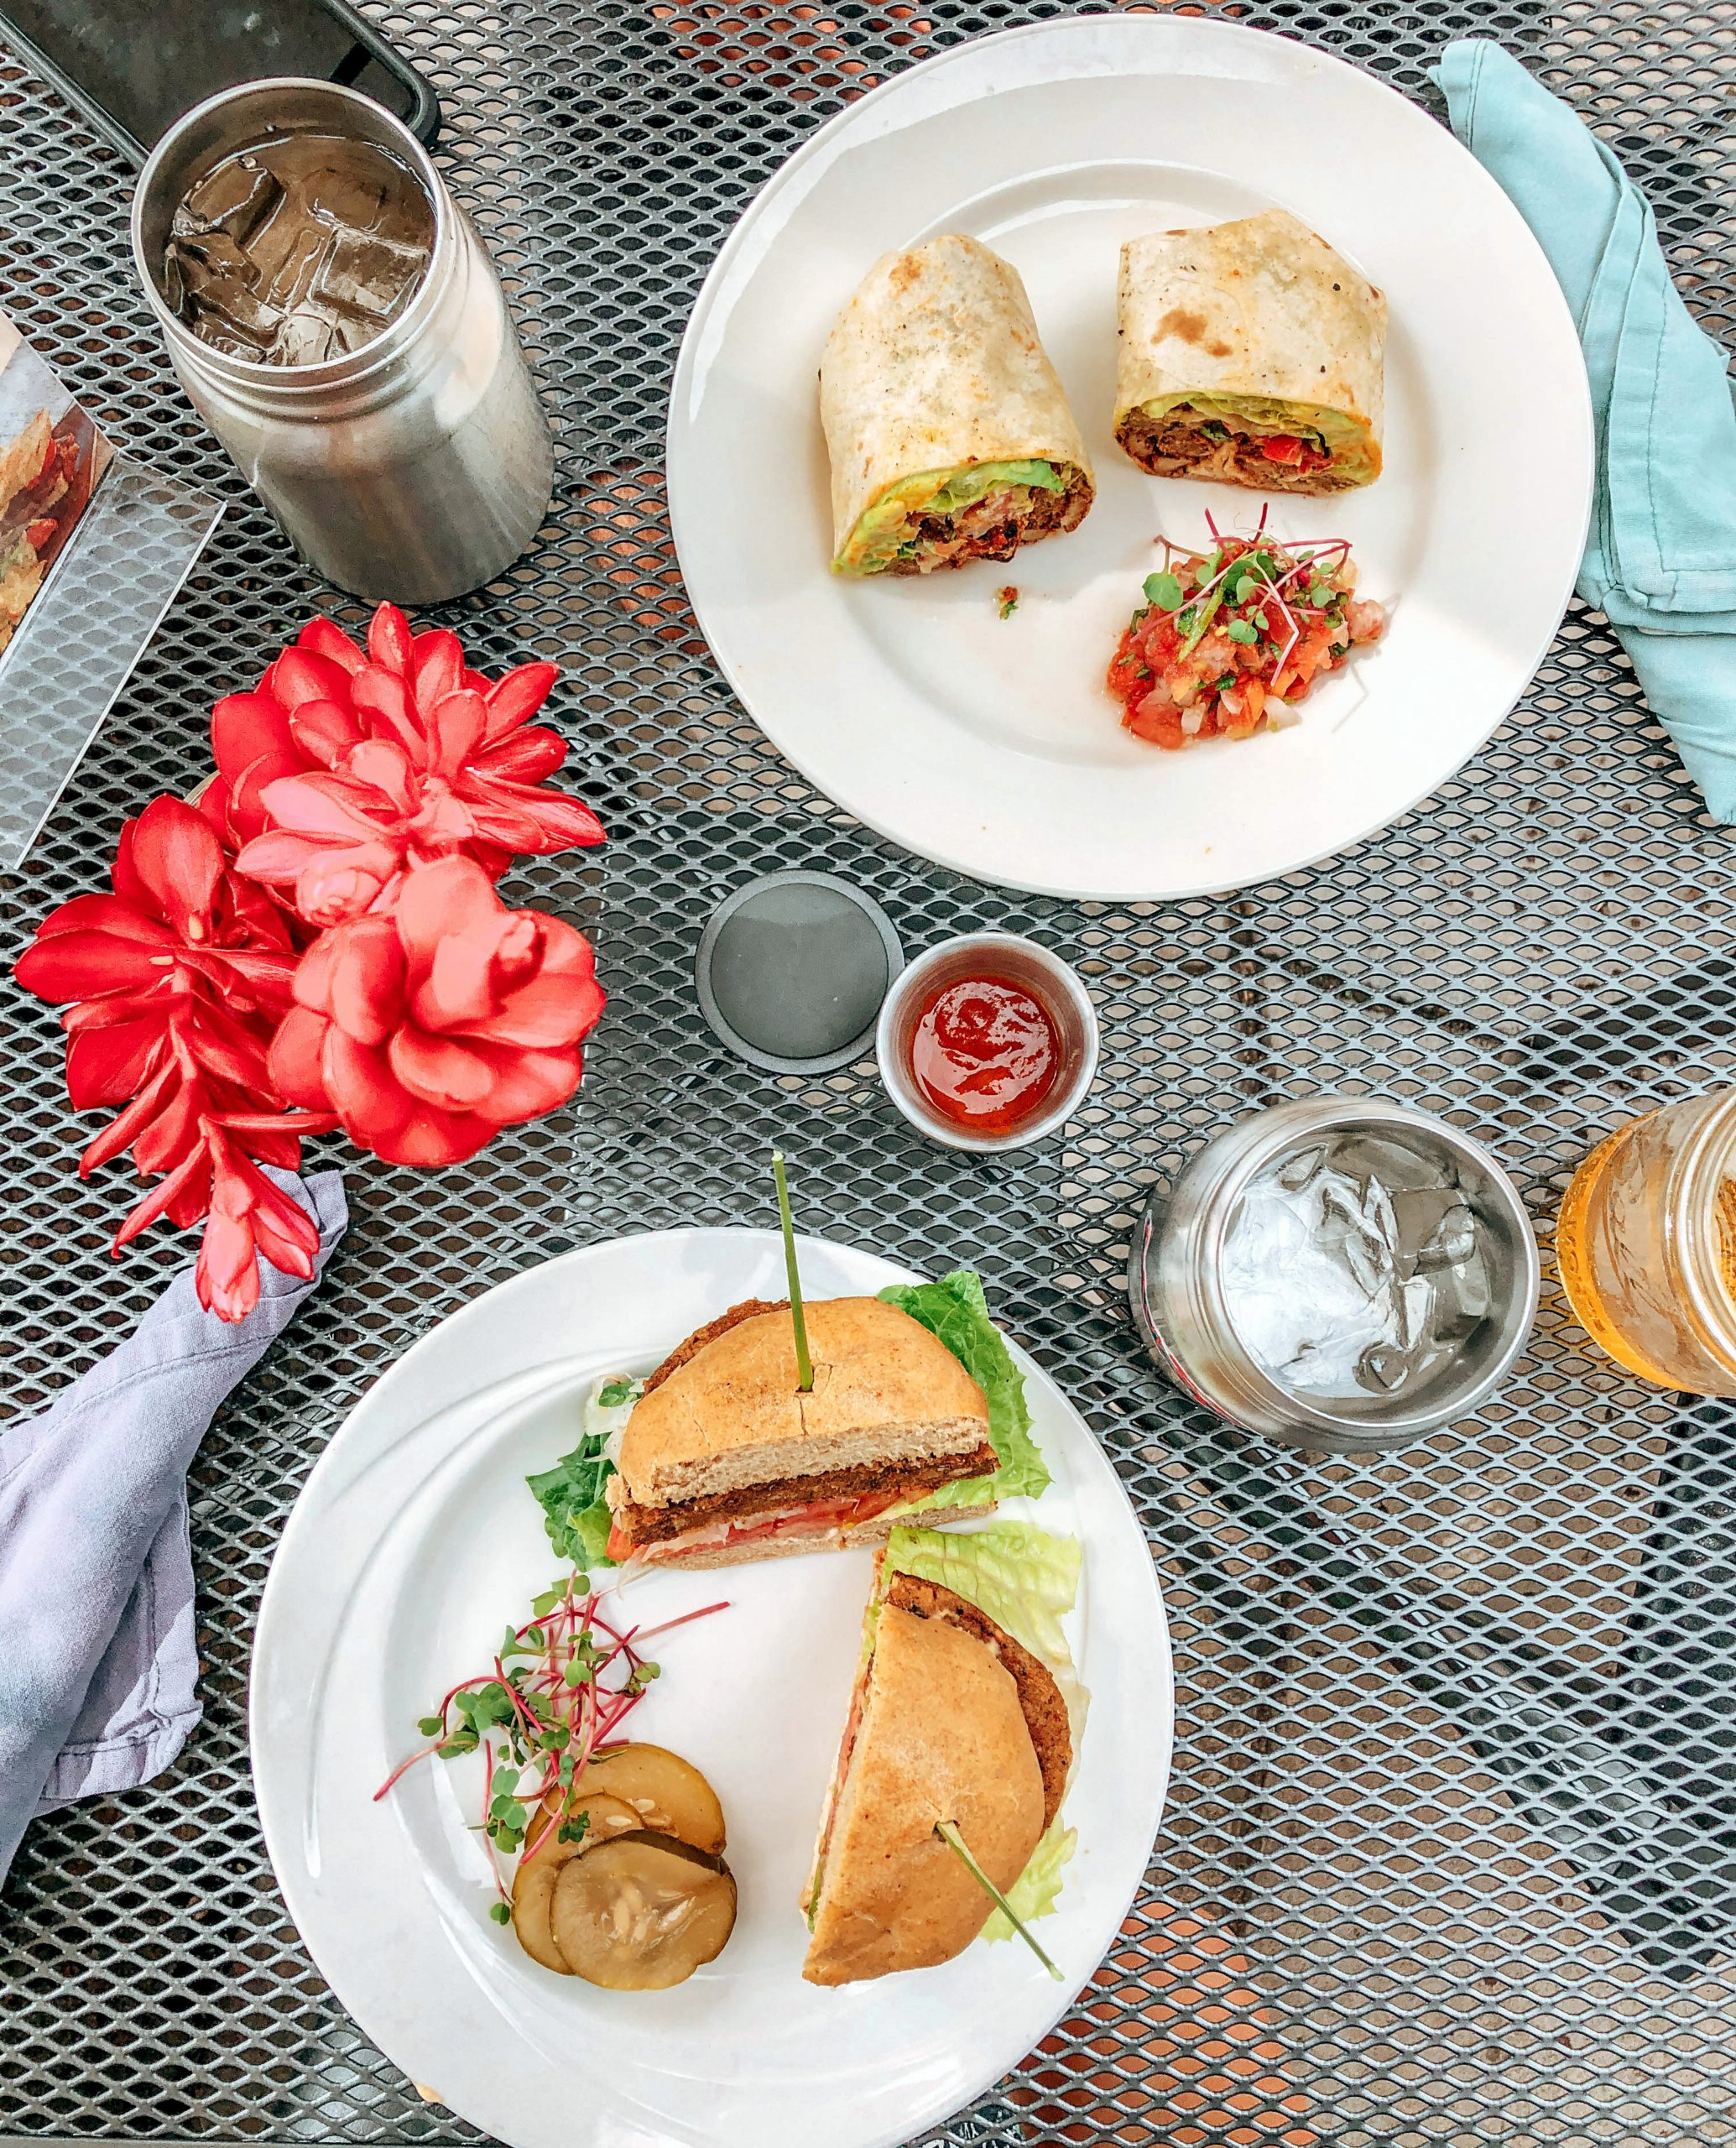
<point x="985" y="1052"/>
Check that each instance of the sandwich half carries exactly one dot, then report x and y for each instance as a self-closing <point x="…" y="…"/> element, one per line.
<point x="957" y="1715"/>
<point x="724" y="1458"/>
<point x="917" y="1412"/>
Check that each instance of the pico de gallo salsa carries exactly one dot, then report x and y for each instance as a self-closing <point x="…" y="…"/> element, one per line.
<point x="1229" y="640"/>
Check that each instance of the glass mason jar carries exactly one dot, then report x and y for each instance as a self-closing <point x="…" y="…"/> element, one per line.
<point x="1646" y="1245"/>
<point x="418" y="465"/>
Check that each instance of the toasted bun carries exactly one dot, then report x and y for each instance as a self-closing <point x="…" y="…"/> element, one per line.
<point x="864" y="1535"/>
<point x="885" y="1390"/>
<point x="942" y="1737"/>
<point x="1039" y="1698"/>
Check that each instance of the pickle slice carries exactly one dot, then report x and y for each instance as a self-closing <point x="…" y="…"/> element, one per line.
<point x="670" y="1794"/>
<point x="534" y="1883"/>
<point x="641" y="1912"/>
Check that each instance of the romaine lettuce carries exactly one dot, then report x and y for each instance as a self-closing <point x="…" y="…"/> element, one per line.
<point x="1037" y="1889"/>
<point x="955" y="1311"/>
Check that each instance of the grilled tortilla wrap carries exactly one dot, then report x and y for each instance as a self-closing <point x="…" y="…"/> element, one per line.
<point x="949" y="434"/>
<point x="1251" y="353"/>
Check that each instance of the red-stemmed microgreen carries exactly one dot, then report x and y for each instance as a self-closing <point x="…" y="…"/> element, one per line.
<point x="546" y="1710"/>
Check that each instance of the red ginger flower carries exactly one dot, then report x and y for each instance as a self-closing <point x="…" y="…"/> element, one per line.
<point x="177" y="979"/>
<point x="344" y="770"/>
<point x="429" y="1030"/>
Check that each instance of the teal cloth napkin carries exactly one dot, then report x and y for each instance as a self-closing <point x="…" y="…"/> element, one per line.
<point x="1660" y="557"/>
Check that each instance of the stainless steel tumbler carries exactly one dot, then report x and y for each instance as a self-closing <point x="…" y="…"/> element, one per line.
<point x="416" y="467"/>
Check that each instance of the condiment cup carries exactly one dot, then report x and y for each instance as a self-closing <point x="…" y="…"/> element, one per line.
<point x="1041" y="973"/>
<point x="1176" y="1281"/>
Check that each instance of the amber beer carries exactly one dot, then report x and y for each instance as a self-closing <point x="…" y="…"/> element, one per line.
<point x="1646" y="1245"/>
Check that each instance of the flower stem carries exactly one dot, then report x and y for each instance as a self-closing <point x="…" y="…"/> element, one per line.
<point x="949" y="1834"/>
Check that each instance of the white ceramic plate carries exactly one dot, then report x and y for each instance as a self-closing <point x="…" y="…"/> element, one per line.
<point x="414" y="1542"/>
<point x="993" y="747"/>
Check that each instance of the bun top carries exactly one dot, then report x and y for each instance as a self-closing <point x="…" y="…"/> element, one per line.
<point x="884" y="1389"/>
<point x="942" y="1737"/>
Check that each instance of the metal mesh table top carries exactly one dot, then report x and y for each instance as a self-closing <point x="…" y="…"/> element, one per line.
<point x="1449" y="1855"/>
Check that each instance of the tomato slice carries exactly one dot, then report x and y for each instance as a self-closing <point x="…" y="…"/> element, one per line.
<point x="1281" y="447"/>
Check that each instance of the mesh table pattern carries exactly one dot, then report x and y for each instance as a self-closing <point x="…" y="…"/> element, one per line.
<point x="1449" y="1855"/>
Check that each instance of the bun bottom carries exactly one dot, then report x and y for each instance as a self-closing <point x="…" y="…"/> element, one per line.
<point x="866" y="1534"/>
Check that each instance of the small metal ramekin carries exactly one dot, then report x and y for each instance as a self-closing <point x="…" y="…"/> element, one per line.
<point x="1174" y="1281"/>
<point x="989" y="954"/>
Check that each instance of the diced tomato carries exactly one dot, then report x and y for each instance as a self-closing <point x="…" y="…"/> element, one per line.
<point x="1281" y="447"/>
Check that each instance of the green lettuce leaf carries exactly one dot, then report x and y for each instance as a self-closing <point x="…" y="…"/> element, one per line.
<point x="1037" y="1889"/>
<point x="1025" y="1579"/>
<point x="575" y="1512"/>
<point x="955" y="1311"/>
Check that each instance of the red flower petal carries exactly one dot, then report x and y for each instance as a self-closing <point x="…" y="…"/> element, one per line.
<point x="383" y="700"/>
<point x="227" y="1273"/>
<point x="123" y="1130"/>
<point x="543" y="1015"/>
<point x="106" y="1066"/>
<point x="191" y="1178"/>
<point x="438" y="667"/>
<point x="338" y="885"/>
<point x="177" y="855"/>
<point x="365" y="993"/>
<point x="523" y="757"/>
<point x="163" y="1143"/>
<point x="454" y="730"/>
<point x="320" y="804"/>
<point x="322" y="637"/>
<point x="525" y="1084"/>
<point x="563" y="823"/>
<point x="384" y="767"/>
<point x="324" y="732"/>
<point x="364" y="1093"/>
<point x="246" y="728"/>
<point x="517" y="696"/>
<point x="295" y="1059"/>
<point x="82" y="965"/>
<point x="389" y="639"/>
<point x="450" y="897"/>
<point x="300" y="676"/>
<point x="437" y="1071"/>
<point x="106" y="913"/>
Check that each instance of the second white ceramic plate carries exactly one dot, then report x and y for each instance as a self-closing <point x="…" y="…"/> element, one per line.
<point x="416" y="1541"/>
<point x="993" y="746"/>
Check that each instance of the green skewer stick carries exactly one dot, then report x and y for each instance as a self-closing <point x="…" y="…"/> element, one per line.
<point x="955" y="1841"/>
<point x="804" y="1362"/>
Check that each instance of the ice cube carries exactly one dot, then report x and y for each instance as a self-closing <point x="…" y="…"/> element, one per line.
<point x="1452" y="1241"/>
<point x="235" y="199"/>
<point x="306" y="337"/>
<point x="366" y="275"/>
<point x="1295" y="1172"/>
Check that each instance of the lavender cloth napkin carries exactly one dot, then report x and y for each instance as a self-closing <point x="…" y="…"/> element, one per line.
<point x="98" y="1671"/>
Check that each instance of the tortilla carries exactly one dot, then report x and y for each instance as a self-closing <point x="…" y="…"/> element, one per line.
<point x="948" y="430"/>
<point x="1238" y="334"/>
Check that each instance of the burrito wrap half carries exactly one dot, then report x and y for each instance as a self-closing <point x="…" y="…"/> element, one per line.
<point x="934" y="371"/>
<point x="1259" y="329"/>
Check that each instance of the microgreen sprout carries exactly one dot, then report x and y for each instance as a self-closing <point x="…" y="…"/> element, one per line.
<point x="561" y="1687"/>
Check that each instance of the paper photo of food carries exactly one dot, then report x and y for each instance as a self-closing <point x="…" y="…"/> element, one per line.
<point x="51" y="455"/>
<point x="1249" y="353"/>
<point x="947" y="428"/>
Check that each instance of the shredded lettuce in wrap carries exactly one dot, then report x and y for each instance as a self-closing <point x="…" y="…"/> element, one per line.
<point x="882" y="530"/>
<point x="955" y="1311"/>
<point x="1344" y="438"/>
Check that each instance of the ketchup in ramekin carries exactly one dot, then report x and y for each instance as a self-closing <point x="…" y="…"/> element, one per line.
<point x="984" y="1052"/>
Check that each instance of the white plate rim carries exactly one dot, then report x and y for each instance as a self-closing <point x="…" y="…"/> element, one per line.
<point x="279" y="1800"/>
<point x="1155" y="28"/>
